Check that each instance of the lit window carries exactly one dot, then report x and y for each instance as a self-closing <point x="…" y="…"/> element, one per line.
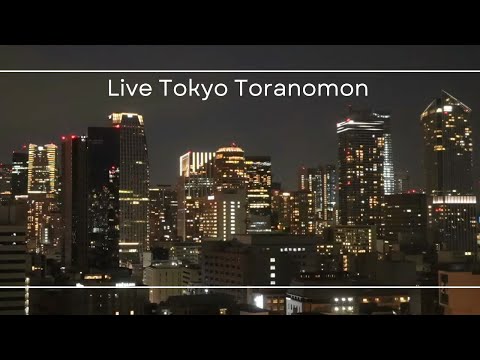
<point x="272" y="267"/>
<point x="272" y="260"/>
<point x="272" y="275"/>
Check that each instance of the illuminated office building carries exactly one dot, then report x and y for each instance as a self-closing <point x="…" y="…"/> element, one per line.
<point x="5" y="183"/>
<point x="361" y="146"/>
<point x="322" y="181"/>
<point x="353" y="241"/>
<point x="230" y="168"/>
<point x="309" y="179"/>
<point x="134" y="183"/>
<point x="224" y="215"/>
<point x="302" y="213"/>
<point x="388" y="169"/>
<point x="259" y="177"/>
<point x="43" y="222"/>
<point x="282" y="207"/>
<point x="448" y="150"/>
<point x="330" y="195"/>
<point x="163" y="214"/>
<point x="74" y="196"/>
<point x="103" y="204"/>
<point x="196" y="179"/>
<point x="42" y="169"/>
<point x="19" y="173"/>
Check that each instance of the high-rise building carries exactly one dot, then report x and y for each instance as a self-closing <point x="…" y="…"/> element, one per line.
<point x="103" y="159"/>
<point x="406" y="221"/>
<point x="5" y="183"/>
<point x="302" y="212"/>
<point x="19" y="173"/>
<point x="230" y="168"/>
<point x="361" y="146"/>
<point x="402" y="181"/>
<point x="282" y="210"/>
<point x="195" y="181"/>
<point x="13" y="261"/>
<point x="43" y="224"/>
<point x="259" y="208"/>
<point x="448" y="150"/>
<point x="42" y="169"/>
<point x="134" y="183"/>
<point x="309" y="179"/>
<point x="330" y="195"/>
<point x="322" y="182"/>
<point x="74" y="197"/>
<point x="224" y="214"/>
<point x="163" y="214"/>
<point x="388" y="169"/>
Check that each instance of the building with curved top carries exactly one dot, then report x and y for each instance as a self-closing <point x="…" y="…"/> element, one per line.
<point x="230" y="170"/>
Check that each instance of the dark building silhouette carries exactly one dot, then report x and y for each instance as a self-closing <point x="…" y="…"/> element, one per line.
<point x="406" y="221"/>
<point x="103" y="160"/>
<point x="19" y="173"/>
<point x="74" y="197"/>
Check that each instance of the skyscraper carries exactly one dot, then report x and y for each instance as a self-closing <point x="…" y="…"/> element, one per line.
<point x="303" y="213"/>
<point x="282" y="210"/>
<point x="311" y="179"/>
<point x="361" y="144"/>
<point x="103" y="159"/>
<point x="5" y="183"/>
<point x="163" y="214"/>
<point x="230" y="168"/>
<point x="42" y="169"/>
<point x="322" y="181"/>
<point x="74" y="196"/>
<point x="196" y="180"/>
<point x="134" y="185"/>
<point x="388" y="169"/>
<point x="448" y="150"/>
<point x="330" y="195"/>
<point x="402" y="181"/>
<point x="259" y="208"/>
<point x="19" y="173"/>
<point x="43" y="227"/>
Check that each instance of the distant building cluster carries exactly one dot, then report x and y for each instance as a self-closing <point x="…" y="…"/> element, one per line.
<point x="83" y="212"/>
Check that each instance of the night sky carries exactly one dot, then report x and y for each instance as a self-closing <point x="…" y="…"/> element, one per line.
<point x="40" y="108"/>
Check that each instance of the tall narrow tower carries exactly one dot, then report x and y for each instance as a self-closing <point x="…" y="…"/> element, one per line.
<point x="448" y="149"/>
<point x="134" y="183"/>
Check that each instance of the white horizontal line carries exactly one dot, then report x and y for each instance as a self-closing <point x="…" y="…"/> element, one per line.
<point x="241" y="287"/>
<point x="247" y="71"/>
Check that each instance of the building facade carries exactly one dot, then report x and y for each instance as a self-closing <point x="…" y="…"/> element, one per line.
<point x="448" y="153"/>
<point x="134" y="182"/>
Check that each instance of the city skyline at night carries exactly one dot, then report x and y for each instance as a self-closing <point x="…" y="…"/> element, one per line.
<point x="254" y="205"/>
